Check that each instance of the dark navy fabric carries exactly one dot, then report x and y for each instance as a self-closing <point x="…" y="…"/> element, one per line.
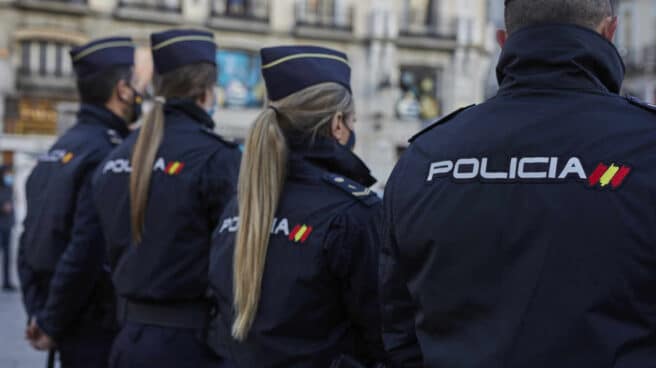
<point x="86" y="348"/>
<point x="194" y="175"/>
<point x="6" y="223"/>
<point x="289" y="69"/>
<point x="53" y="193"/>
<point x="318" y="297"/>
<point x="143" y="346"/>
<point x="62" y="253"/>
<point x="179" y="47"/>
<point x="170" y="264"/>
<point x="102" y="54"/>
<point x="5" y="248"/>
<point x="513" y="236"/>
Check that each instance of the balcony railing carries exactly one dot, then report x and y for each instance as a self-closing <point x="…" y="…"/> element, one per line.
<point x="439" y="28"/>
<point x="167" y="6"/>
<point x="155" y="11"/>
<point x="61" y="6"/>
<point x="82" y="2"/>
<point x="240" y="15"/>
<point x="253" y="10"/>
<point x="332" y="18"/>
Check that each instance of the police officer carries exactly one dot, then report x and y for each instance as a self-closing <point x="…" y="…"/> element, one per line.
<point x="160" y="195"/>
<point x="67" y="294"/>
<point x="520" y="232"/>
<point x="301" y="291"/>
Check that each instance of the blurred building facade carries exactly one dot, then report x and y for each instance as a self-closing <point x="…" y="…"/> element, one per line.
<point x="495" y="16"/>
<point x="412" y="60"/>
<point x="636" y="40"/>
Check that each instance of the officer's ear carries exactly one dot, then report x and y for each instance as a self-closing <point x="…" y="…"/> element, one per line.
<point x="123" y="91"/>
<point x="338" y="128"/>
<point x="502" y="37"/>
<point x="608" y="28"/>
<point x="206" y="100"/>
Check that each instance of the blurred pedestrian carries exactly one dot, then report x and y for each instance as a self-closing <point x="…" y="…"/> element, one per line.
<point x="293" y="263"/>
<point x="159" y="196"/>
<point x="66" y="289"/>
<point x="520" y="232"/>
<point x="6" y="224"/>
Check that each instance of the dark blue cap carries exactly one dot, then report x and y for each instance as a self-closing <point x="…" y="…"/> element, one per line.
<point x="179" y="47"/>
<point x="289" y="69"/>
<point x="102" y="54"/>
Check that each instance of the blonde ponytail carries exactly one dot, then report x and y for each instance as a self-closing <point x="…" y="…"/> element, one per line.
<point x="261" y="178"/>
<point x="187" y="82"/>
<point x="143" y="159"/>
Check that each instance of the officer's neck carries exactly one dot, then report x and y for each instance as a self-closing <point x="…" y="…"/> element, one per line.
<point x="116" y="107"/>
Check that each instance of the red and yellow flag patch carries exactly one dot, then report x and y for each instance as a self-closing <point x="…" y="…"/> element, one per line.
<point x="612" y="175"/>
<point x="174" y="168"/>
<point x="67" y="157"/>
<point x="300" y="233"/>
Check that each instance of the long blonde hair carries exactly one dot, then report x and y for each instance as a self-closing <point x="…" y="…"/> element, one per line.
<point x="261" y="179"/>
<point x="190" y="81"/>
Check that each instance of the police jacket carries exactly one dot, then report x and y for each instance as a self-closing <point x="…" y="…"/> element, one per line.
<point x="318" y="295"/>
<point x="194" y="174"/>
<point x="521" y="232"/>
<point x="61" y="235"/>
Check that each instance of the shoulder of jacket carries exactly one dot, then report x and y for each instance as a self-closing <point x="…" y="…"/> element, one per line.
<point x="91" y="137"/>
<point x="440" y="122"/>
<point x="219" y="138"/>
<point x="353" y="188"/>
<point x="113" y="137"/>
<point x="640" y="103"/>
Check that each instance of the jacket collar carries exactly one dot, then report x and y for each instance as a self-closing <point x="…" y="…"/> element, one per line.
<point x="100" y="115"/>
<point x="559" y="56"/>
<point x="328" y="155"/>
<point x="190" y="109"/>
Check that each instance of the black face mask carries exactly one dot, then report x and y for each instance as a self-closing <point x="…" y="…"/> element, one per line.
<point x="350" y="144"/>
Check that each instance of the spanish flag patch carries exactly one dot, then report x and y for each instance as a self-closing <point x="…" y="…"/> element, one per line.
<point x="174" y="168"/>
<point x="613" y="175"/>
<point x="67" y="158"/>
<point x="300" y="233"/>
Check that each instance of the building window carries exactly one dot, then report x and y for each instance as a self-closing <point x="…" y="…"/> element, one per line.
<point x="172" y="6"/>
<point x="55" y="6"/>
<point x="325" y="14"/>
<point x="45" y="59"/>
<point x="46" y="2"/>
<point x="419" y="94"/>
<point x="59" y="54"/>
<point x="37" y="116"/>
<point x="417" y="13"/>
<point x="43" y="55"/>
<point x="81" y="2"/>
<point x="240" y="83"/>
<point x="250" y="9"/>
<point x="423" y="18"/>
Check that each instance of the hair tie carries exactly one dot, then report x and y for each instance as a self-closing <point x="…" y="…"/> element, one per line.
<point x="275" y="109"/>
<point x="160" y="99"/>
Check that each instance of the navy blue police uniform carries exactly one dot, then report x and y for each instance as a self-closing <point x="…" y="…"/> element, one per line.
<point x="162" y="281"/>
<point x="61" y="256"/>
<point x="318" y="297"/>
<point x="520" y="232"/>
